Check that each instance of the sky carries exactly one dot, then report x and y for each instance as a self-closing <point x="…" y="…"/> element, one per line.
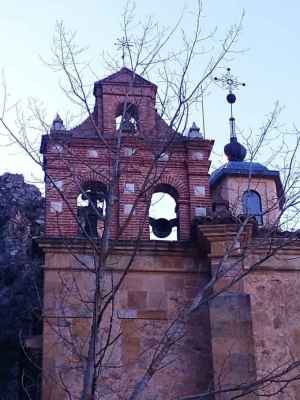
<point x="267" y="60"/>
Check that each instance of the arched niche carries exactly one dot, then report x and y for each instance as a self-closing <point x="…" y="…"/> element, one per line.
<point x="127" y="118"/>
<point x="252" y="205"/>
<point x="91" y="207"/>
<point x="163" y="213"/>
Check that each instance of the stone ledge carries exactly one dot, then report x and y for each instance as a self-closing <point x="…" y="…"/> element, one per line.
<point x="131" y="313"/>
<point x="160" y="247"/>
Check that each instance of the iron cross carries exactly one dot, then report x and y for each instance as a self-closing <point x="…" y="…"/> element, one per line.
<point x="123" y="44"/>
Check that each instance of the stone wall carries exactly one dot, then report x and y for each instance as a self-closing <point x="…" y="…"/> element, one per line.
<point x="162" y="281"/>
<point x="274" y="291"/>
<point x="255" y="320"/>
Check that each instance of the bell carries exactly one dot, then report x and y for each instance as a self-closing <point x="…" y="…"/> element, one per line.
<point x="127" y="125"/>
<point x="162" y="227"/>
<point x="93" y="195"/>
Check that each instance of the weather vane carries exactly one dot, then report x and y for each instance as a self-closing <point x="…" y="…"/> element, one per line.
<point x="229" y="82"/>
<point x="123" y="44"/>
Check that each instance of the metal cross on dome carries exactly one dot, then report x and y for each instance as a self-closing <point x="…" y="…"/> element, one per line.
<point x="229" y="82"/>
<point x="123" y="44"/>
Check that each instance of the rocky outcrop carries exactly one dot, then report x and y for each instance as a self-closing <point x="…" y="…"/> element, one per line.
<point x="21" y="219"/>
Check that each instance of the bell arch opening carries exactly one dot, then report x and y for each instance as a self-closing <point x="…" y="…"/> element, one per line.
<point x="163" y="214"/>
<point x="91" y="207"/>
<point x="127" y="118"/>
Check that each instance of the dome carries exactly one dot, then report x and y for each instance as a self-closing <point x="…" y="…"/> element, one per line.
<point x="234" y="150"/>
<point x="240" y="168"/>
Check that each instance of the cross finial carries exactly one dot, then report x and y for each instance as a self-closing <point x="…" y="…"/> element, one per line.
<point x="229" y="82"/>
<point x="123" y="44"/>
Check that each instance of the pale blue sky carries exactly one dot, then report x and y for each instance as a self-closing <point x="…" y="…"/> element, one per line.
<point x="269" y="63"/>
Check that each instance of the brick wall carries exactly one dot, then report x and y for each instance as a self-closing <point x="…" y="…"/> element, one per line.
<point x="73" y="161"/>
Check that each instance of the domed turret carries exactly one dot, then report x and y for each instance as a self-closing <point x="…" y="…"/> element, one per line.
<point x="248" y="187"/>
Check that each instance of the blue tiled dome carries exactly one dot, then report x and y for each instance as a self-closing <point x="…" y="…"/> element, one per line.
<point x="240" y="168"/>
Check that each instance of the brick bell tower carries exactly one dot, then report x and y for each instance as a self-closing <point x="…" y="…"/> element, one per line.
<point x="78" y="162"/>
<point x="164" y="275"/>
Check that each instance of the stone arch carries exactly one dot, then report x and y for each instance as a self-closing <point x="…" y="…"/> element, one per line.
<point x="166" y="188"/>
<point x="174" y="182"/>
<point x="130" y="106"/>
<point x="92" y="177"/>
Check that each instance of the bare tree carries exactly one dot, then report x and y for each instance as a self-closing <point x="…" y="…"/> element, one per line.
<point x="90" y="356"/>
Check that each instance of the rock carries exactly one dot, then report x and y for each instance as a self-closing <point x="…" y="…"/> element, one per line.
<point x="21" y="219"/>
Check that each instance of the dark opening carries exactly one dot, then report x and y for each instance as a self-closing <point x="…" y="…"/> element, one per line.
<point x="91" y="205"/>
<point x="127" y="118"/>
<point x="252" y="205"/>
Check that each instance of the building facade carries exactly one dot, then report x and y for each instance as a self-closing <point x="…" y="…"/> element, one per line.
<point x="198" y="302"/>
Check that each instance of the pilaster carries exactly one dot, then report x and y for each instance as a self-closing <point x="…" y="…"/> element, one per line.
<point x="232" y="341"/>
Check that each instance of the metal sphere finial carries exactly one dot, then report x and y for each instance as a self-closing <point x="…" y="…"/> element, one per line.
<point x="231" y="98"/>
